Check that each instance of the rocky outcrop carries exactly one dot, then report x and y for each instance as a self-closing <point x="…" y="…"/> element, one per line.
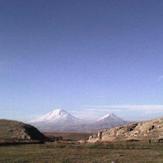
<point x="147" y="130"/>
<point x="18" y="132"/>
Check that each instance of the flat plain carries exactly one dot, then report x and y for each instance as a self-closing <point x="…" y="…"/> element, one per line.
<point x="71" y="152"/>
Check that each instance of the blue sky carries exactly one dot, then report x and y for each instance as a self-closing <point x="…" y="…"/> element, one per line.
<point x="85" y="56"/>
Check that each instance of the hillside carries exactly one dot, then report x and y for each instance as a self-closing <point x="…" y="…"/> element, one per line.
<point x="18" y="132"/>
<point x="148" y="130"/>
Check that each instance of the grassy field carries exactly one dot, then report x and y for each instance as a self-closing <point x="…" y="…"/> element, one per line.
<point x="74" y="136"/>
<point x="82" y="153"/>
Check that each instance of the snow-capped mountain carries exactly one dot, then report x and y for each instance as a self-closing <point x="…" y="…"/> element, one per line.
<point x="109" y="121"/>
<point x="56" y="120"/>
<point x="110" y="118"/>
<point x="60" y="120"/>
<point x="55" y="116"/>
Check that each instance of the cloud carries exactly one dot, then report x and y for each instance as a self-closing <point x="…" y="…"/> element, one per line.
<point x="130" y="112"/>
<point x="127" y="107"/>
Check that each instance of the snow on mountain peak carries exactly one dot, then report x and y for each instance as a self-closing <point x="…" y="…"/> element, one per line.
<point x="61" y="120"/>
<point x="110" y="115"/>
<point x="58" y="112"/>
<point x="55" y="115"/>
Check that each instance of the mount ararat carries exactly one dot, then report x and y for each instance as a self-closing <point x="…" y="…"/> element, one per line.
<point x="61" y="121"/>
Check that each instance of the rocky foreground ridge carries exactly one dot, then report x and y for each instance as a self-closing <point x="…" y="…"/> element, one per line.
<point x="148" y="130"/>
<point x="18" y="132"/>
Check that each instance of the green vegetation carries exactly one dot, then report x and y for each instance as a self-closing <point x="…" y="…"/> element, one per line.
<point x="63" y="152"/>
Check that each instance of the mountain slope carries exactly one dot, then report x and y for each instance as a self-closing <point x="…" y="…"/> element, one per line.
<point x="107" y="121"/>
<point x="14" y="131"/>
<point x="57" y="116"/>
<point x="57" y="120"/>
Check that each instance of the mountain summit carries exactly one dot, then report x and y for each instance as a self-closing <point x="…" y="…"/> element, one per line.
<point x="58" y="115"/>
<point x="109" y="121"/>
<point x="107" y="116"/>
<point x="56" y="120"/>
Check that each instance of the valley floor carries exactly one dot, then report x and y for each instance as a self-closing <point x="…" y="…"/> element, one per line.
<point x="82" y="153"/>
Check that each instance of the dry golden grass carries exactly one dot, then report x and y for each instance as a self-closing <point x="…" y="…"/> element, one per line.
<point x="74" y="136"/>
<point x="86" y="153"/>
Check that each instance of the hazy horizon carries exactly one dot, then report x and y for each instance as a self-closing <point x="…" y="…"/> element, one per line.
<point x="89" y="58"/>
